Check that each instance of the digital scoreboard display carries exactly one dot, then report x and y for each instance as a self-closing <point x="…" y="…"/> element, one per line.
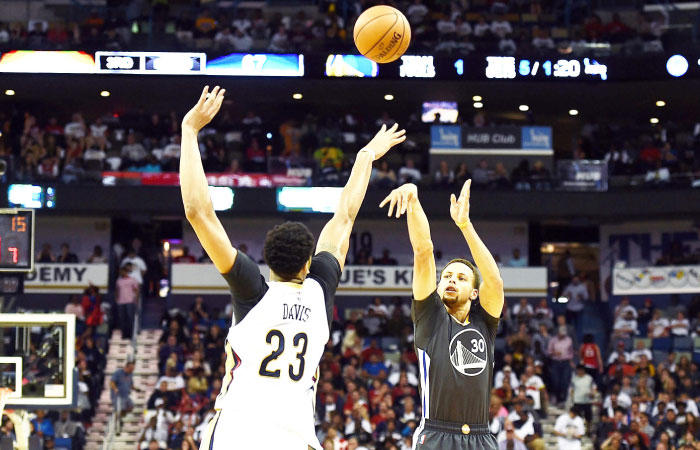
<point x="16" y="240"/>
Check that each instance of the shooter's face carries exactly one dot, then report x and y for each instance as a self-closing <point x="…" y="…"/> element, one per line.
<point x="456" y="284"/>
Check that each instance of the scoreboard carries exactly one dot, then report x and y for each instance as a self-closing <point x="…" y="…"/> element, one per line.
<point x="16" y="240"/>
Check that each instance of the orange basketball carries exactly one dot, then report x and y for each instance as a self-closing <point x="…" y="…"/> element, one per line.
<point x="382" y="34"/>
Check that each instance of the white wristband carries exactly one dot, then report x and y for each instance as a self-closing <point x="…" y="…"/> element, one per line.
<point x="374" y="156"/>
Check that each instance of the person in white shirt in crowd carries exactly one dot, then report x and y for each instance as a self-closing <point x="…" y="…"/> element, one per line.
<point x="223" y="39"/>
<point x="508" y="440"/>
<point x="173" y="379"/>
<point x="639" y="351"/>
<point x="379" y="308"/>
<point x="582" y="390"/>
<point x="543" y="315"/>
<point x="279" y="41"/>
<point x="517" y="260"/>
<point x="616" y="398"/>
<point x="241" y="23"/>
<point x="482" y="30"/>
<point x="171" y="152"/>
<point x="417" y="12"/>
<point x="541" y="39"/>
<point x="535" y="389"/>
<point x="576" y="293"/>
<point x="624" y="307"/>
<point x="409" y="173"/>
<point x="462" y="27"/>
<point x="500" y="27"/>
<point x="132" y="152"/>
<point x="506" y="372"/>
<point x="625" y="326"/>
<point x="138" y="266"/>
<point x="98" y="129"/>
<point x="659" y="326"/>
<point x="74" y="307"/>
<point x="691" y="405"/>
<point x="242" y="42"/>
<point x="445" y="26"/>
<point x="570" y="429"/>
<point x="76" y="127"/>
<point x="619" y="351"/>
<point x="507" y="45"/>
<point x="680" y="325"/>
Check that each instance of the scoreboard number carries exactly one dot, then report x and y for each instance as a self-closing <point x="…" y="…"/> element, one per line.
<point x="16" y="240"/>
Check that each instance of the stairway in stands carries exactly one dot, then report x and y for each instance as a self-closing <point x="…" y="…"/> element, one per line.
<point x="548" y="430"/>
<point x="145" y="377"/>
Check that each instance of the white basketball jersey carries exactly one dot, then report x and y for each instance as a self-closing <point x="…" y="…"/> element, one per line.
<point x="268" y="395"/>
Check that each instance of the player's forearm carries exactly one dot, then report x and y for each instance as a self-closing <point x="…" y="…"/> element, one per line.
<point x="418" y="228"/>
<point x="482" y="256"/>
<point x="355" y="189"/>
<point x="193" y="181"/>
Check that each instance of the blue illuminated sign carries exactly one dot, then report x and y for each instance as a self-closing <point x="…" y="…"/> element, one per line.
<point x="257" y="65"/>
<point x="350" y="66"/>
<point x="505" y="67"/>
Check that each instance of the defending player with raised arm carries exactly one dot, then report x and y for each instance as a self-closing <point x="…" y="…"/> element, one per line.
<point x="280" y="327"/>
<point x="455" y="328"/>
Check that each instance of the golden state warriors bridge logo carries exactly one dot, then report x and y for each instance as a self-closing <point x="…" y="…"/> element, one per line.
<point x="468" y="352"/>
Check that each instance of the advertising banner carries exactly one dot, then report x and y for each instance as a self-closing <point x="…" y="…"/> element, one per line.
<point x="656" y="280"/>
<point x="583" y="175"/>
<point x="204" y="279"/>
<point x="56" y="278"/>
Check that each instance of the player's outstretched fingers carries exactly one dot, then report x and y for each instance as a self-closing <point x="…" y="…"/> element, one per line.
<point x="385" y="201"/>
<point x="399" y="205"/>
<point x="203" y="97"/>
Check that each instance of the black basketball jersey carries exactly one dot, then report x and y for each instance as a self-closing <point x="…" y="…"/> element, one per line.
<point x="455" y="361"/>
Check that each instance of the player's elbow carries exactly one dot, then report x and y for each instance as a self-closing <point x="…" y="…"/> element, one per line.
<point x="423" y="248"/>
<point x="494" y="282"/>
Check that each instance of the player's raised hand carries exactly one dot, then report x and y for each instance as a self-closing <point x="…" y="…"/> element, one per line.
<point x="385" y="139"/>
<point x="401" y="198"/>
<point x="205" y="109"/>
<point x="459" y="207"/>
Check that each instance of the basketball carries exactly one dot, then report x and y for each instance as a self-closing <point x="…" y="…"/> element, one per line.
<point x="382" y="34"/>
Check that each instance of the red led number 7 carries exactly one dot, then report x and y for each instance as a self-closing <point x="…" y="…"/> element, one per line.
<point x="14" y="252"/>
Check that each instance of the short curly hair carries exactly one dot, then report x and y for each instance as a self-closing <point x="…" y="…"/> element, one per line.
<point x="287" y="248"/>
<point x="477" y="276"/>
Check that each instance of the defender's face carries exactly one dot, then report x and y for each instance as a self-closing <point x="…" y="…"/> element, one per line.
<point x="456" y="284"/>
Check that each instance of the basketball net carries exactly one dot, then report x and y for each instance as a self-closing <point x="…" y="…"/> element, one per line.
<point x="20" y="419"/>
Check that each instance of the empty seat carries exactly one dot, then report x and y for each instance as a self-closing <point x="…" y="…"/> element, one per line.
<point x="683" y="344"/>
<point x="664" y="344"/>
<point x="659" y="356"/>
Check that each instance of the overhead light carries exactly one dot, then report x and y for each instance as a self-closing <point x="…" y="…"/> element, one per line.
<point x="477" y="98"/>
<point x="9" y="92"/>
<point x="478" y="105"/>
<point x="563" y="300"/>
<point x="660" y="103"/>
<point x="573" y="112"/>
<point x="105" y="93"/>
<point x="297" y="96"/>
<point x="654" y="120"/>
<point x="388" y="97"/>
<point x="677" y="65"/>
<point x="523" y="108"/>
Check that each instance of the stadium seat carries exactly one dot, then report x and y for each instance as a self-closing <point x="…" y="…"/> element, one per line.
<point x="659" y="356"/>
<point x="683" y="344"/>
<point x="63" y="443"/>
<point x="696" y="357"/>
<point x="647" y="342"/>
<point x="628" y="343"/>
<point x="696" y="342"/>
<point x="390" y="344"/>
<point x="664" y="344"/>
<point x="500" y="345"/>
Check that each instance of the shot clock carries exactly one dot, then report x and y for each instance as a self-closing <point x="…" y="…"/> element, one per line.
<point x="16" y="240"/>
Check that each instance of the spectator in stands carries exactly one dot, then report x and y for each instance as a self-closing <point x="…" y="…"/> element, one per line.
<point x="680" y="325"/>
<point x="625" y="325"/>
<point x="462" y="174"/>
<point x="639" y="351"/>
<point x="659" y="326"/>
<point x="583" y="389"/>
<point x="409" y="173"/>
<point x="133" y="154"/>
<point x="121" y="384"/>
<point x="386" y="259"/>
<point x="536" y="390"/>
<point x="500" y="27"/>
<point x="45" y="255"/>
<point x="65" y="427"/>
<point x="444" y="176"/>
<point x="223" y="39"/>
<point x="523" y="311"/>
<point x="127" y="291"/>
<point x="561" y="350"/>
<point x="569" y="428"/>
<point x="185" y="257"/>
<point x="242" y="42"/>
<point x="624" y="307"/>
<point x="517" y="260"/>
<point x="42" y="425"/>
<point x="482" y="30"/>
<point x="501" y="375"/>
<point x="509" y="441"/>
<point x="97" y="257"/>
<point x="74" y="307"/>
<point x="481" y="175"/>
<point x="66" y="256"/>
<point x="76" y="128"/>
<point x="279" y="42"/>
<point x="138" y="268"/>
<point x="383" y="176"/>
<point x="541" y="41"/>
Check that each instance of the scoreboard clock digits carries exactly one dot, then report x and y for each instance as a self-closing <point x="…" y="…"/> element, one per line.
<point x="16" y="240"/>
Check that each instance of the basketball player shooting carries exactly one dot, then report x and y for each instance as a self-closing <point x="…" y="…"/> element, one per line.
<point x="281" y="327"/>
<point x="455" y="329"/>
